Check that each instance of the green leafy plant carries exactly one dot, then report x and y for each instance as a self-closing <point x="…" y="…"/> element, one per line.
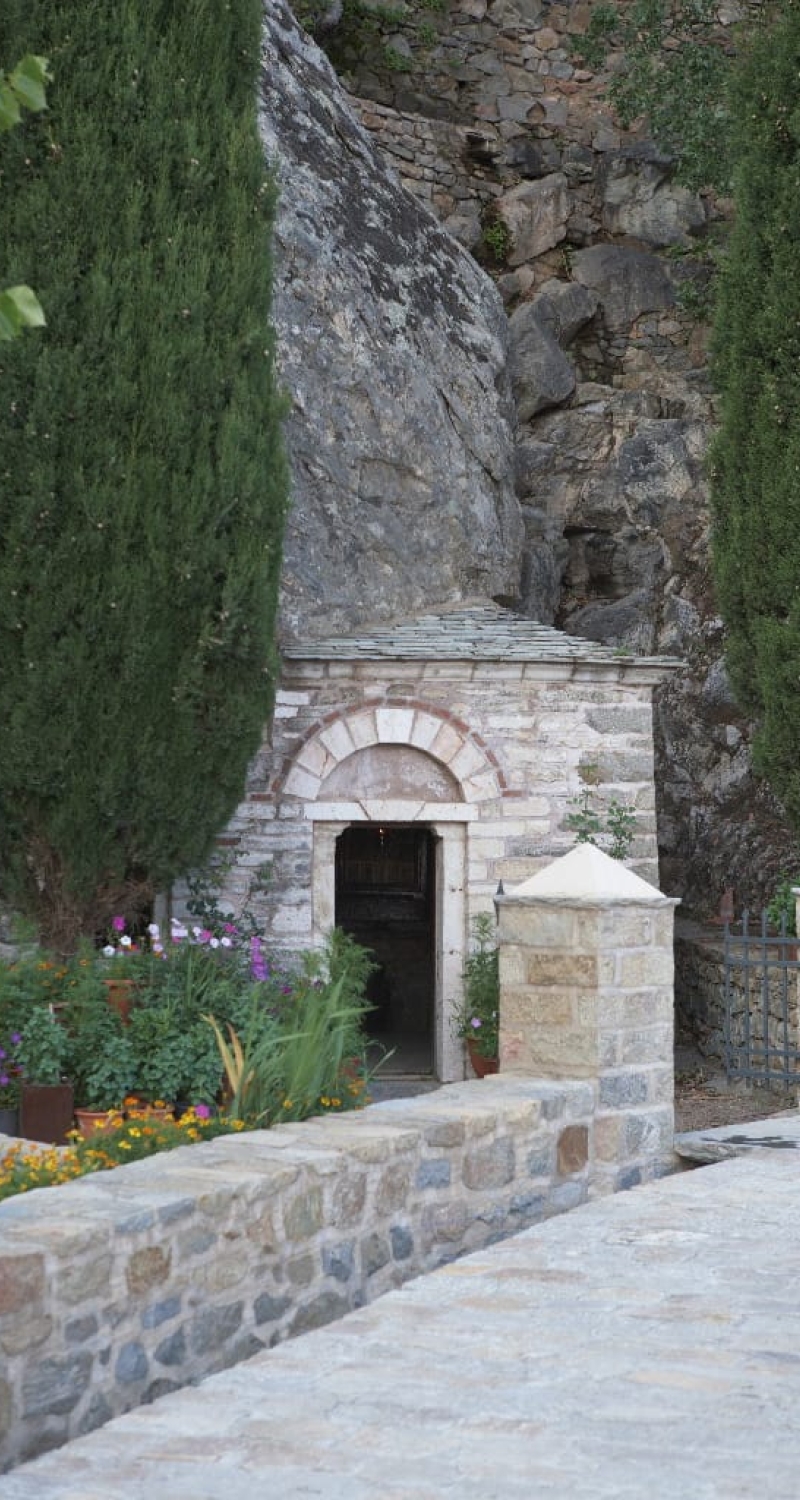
<point x="110" y="1079"/>
<point x="677" y="68"/>
<point x="497" y="240"/>
<point x="43" y="1048"/>
<point x="101" y="1061"/>
<point x="395" y="61"/>
<point x="204" y="888"/>
<point x="477" y="1018"/>
<point x="24" y="88"/>
<point x="782" y="906"/>
<point x="614" y="831"/>
<point x="300" y="1048"/>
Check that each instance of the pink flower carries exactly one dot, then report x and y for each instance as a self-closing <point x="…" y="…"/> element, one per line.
<point x="202" y="1111"/>
<point x="118" y="924"/>
<point x="475" y="1022"/>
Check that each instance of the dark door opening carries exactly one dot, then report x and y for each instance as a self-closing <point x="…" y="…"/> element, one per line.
<point x="386" y="900"/>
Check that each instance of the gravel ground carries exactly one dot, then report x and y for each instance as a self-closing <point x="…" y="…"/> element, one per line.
<point x="704" y="1098"/>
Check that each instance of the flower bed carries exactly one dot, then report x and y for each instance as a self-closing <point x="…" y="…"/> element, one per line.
<point x="203" y="1022"/>
<point x="25" y="1165"/>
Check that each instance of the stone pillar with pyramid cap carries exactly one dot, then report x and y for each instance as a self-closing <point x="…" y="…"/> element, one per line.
<point x="586" y="991"/>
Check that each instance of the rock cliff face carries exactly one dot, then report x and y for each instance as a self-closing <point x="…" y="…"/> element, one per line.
<point x="393" y="349"/>
<point x="402" y="369"/>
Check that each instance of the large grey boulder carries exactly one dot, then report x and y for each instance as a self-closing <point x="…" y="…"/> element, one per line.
<point x="641" y="200"/>
<point x="628" y="282"/>
<point x="392" y="348"/>
<point x="541" y="373"/>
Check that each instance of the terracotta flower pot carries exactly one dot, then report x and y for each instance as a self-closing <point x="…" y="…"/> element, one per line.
<point x="90" y="1121"/>
<point x="144" y="1109"/>
<point x="481" y="1066"/>
<point x="119" y="993"/>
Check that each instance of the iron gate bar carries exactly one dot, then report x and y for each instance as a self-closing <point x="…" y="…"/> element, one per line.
<point x="762" y="961"/>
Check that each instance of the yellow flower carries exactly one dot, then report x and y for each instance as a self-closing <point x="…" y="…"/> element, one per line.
<point x="124" y="1145"/>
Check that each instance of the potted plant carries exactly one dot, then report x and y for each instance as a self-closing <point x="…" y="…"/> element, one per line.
<point x="162" y="1053"/>
<point x="106" y="1081"/>
<point x="10" y="1080"/>
<point x="45" y="1097"/>
<point x="476" y="1022"/>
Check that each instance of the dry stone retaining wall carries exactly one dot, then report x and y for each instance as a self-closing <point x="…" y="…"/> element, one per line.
<point x="118" y="1288"/>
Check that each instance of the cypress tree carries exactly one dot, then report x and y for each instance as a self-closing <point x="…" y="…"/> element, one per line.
<point x="142" y="480"/>
<point x="756" y="359"/>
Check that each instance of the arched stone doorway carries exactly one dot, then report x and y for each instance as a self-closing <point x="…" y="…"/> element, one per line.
<point x="389" y="865"/>
<point x="386" y="899"/>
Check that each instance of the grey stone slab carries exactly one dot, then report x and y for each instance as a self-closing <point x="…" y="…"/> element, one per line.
<point x="777" y="1133"/>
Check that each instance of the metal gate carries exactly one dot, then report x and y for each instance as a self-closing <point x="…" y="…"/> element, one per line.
<point x="762" y="974"/>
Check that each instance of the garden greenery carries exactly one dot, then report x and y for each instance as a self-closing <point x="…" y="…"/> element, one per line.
<point x="216" y="1030"/>
<point x="478" y="1018"/>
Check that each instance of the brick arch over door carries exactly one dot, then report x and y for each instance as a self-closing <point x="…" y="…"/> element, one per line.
<point x="440" y="735"/>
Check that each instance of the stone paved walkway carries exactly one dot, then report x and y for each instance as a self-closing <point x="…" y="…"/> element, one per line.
<point x="644" y="1347"/>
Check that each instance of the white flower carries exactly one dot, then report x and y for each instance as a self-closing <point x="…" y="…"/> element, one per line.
<point x="213" y="942"/>
<point x="225" y="942"/>
<point x="125" y="941"/>
<point x="109" y="950"/>
<point x="197" y="932"/>
<point x="154" y="930"/>
<point x="158" y="947"/>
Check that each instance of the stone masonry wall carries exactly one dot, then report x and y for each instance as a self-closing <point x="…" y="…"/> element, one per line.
<point x="117" y="1288"/>
<point x="535" y="735"/>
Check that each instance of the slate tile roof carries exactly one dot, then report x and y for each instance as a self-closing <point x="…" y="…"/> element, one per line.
<point x="472" y="632"/>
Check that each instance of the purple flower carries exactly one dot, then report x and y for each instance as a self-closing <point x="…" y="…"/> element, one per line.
<point x="202" y="1111"/>
<point x="4" y="1079"/>
<point x="2" y="1053"/>
<point x="118" y="924"/>
<point x="258" y="967"/>
<point x="16" y="1038"/>
<point x="475" y="1022"/>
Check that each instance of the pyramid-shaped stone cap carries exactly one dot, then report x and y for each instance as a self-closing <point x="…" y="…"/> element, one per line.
<point x="587" y="874"/>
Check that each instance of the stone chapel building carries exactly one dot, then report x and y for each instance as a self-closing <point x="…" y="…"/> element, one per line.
<point x="409" y="769"/>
